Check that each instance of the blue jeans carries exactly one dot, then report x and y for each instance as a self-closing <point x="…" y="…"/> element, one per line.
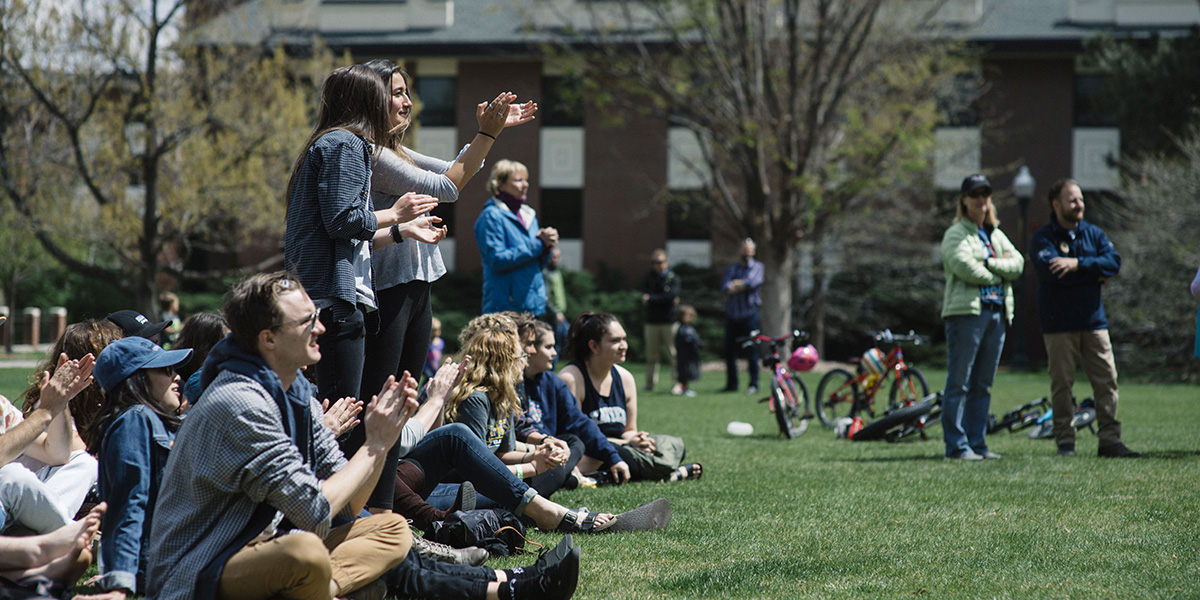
<point x="453" y="453"/>
<point x="973" y="343"/>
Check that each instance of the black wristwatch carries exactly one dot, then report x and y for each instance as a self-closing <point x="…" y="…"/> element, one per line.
<point x="396" y="236"/>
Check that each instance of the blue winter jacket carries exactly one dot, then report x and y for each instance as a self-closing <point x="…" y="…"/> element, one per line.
<point x="1072" y="302"/>
<point x="513" y="258"/>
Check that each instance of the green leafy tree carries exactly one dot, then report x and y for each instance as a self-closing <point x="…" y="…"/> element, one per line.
<point x="126" y="146"/>
<point x="810" y="112"/>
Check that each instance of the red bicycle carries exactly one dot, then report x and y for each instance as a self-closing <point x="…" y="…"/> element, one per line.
<point x="789" y="396"/>
<point x="844" y="394"/>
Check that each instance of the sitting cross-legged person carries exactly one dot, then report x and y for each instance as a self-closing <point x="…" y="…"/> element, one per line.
<point x="552" y="411"/>
<point x="438" y="457"/>
<point x="255" y="479"/>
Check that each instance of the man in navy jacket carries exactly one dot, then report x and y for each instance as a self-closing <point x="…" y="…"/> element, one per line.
<point x="1073" y="259"/>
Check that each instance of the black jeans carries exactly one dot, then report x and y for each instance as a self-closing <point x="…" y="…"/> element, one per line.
<point x="735" y="328"/>
<point x="400" y="344"/>
<point x="339" y="374"/>
<point x="420" y="577"/>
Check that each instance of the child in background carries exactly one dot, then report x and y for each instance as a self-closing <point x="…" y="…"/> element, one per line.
<point x="168" y="304"/>
<point x="687" y="351"/>
<point x="433" y="360"/>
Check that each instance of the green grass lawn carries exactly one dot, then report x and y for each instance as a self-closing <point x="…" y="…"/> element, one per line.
<point x="820" y="517"/>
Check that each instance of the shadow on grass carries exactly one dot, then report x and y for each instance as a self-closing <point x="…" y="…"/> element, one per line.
<point x="1172" y="454"/>
<point x="891" y="459"/>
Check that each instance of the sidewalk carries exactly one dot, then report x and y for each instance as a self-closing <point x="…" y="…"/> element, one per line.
<point x="24" y="356"/>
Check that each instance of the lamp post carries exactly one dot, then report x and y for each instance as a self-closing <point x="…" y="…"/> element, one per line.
<point x="1023" y="187"/>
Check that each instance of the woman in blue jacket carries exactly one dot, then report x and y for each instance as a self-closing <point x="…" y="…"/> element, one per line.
<point x="132" y="437"/>
<point x="514" y="249"/>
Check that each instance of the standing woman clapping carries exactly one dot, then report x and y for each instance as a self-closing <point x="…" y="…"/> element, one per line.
<point x="405" y="271"/>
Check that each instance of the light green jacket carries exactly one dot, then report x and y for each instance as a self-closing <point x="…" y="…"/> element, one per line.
<point x="962" y="261"/>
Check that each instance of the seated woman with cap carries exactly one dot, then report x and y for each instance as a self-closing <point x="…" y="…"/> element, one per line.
<point x="132" y="436"/>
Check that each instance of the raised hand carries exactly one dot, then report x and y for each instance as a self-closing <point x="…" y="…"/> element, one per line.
<point x="447" y="376"/>
<point x="492" y="116"/>
<point x="519" y="114"/>
<point x="413" y="205"/>
<point x="70" y="377"/>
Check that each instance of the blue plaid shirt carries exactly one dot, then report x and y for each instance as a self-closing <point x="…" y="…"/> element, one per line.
<point x="743" y="304"/>
<point x="329" y="212"/>
<point x="231" y="454"/>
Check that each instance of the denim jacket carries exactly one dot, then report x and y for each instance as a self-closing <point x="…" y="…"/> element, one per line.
<point x="133" y="454"/>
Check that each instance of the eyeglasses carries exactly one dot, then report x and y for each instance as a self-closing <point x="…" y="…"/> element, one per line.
<point x="309" y="322"/>
<point x="522" y="356"/>
<point x="980" y="193"/>
<point x="168" y="371"/>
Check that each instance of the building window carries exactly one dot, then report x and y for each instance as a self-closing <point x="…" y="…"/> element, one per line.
<point x="958" y="103"/>
<point x="560" y="105"/>
<point x="562" y="209"/>
<point x="689" y="215"/>
<point x="438" y="97"/>
<point x="1092" y="102"/>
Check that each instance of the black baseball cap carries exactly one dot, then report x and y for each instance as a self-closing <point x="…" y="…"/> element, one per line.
<point x="974" y="182"/>
<point x="134" y="323"/>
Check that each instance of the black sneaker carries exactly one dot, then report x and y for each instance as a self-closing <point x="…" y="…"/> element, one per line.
<point x="1117" y="450"/>
<point x="553" y="581"/>
<point x="1066" y="449"/>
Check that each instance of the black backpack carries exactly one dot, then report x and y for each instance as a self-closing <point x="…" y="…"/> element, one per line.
<point x="497" y="530"/>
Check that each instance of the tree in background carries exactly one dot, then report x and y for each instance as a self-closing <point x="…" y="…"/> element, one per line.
<point x="126" y="146"/>
<point x="1153" y="88"/>
<point x="810" y="112"/>
<point x="1153" y="313"/>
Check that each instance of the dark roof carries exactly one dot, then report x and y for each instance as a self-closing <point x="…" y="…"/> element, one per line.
<point x="485" y="28"/>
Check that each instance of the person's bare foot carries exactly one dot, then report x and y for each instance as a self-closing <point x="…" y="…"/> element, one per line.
<point x="66" y="550"/>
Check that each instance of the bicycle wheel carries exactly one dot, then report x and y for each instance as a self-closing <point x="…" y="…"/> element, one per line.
<point x="835" y="396"/>
<point x="879" y="429"/>
<point x="788" y="405"/>
<point x="908" y="389"/>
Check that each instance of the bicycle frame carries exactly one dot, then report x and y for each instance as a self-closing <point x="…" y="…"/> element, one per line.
<point x="790" y="405"/>
<point x="856" y="391"/>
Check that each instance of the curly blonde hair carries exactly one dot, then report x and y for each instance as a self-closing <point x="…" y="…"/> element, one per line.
<point x="494" y="367"/>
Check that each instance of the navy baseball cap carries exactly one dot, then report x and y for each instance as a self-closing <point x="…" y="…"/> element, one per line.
<point x="134" y="323"/>
<point x="127" y="356"/>
<point x="975" y="182"/>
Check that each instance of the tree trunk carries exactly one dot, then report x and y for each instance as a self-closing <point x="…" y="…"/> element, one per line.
<point x="817" y="330"/>
<point x="778" y="284"/>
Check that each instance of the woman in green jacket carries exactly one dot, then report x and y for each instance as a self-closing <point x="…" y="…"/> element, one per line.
<point x="980" y="265"/>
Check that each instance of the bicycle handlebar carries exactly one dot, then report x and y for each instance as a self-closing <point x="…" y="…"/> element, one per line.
<point x="886" y="335"/>
<point x="756" y="336"/>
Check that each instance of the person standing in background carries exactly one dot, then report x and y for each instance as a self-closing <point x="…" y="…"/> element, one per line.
<point x="512" y="245"/>
<point x="741" y="284"/>
<point x="1073" y="260"/>
<point x="660" y="294"/>
<point x="556" y="299"/>
<point x="980" y="264"/>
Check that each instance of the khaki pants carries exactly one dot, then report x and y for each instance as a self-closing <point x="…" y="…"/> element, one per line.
<point x="301" y="565"/>
<point x="1093" y="350"/>
<point x="659" y="335"/>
